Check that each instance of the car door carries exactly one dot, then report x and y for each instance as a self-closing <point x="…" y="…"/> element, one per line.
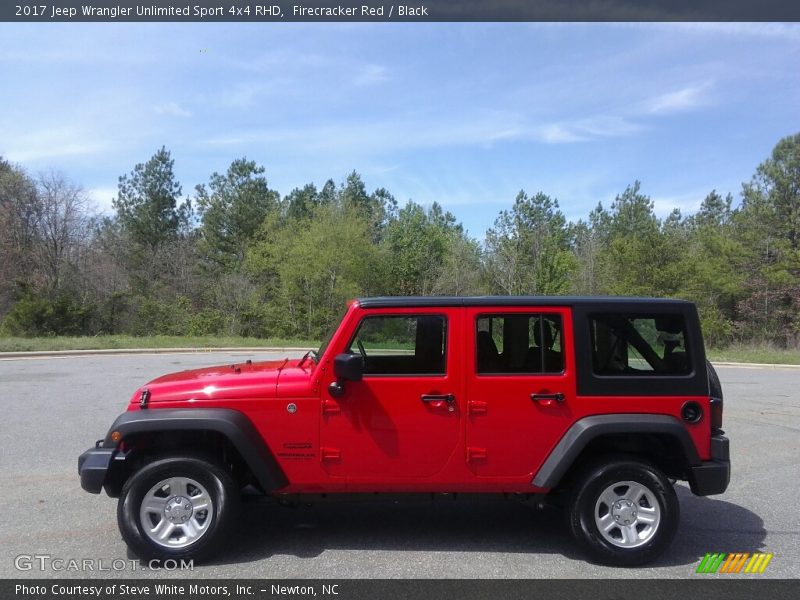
<point x="402" y="421"/>
<point x="521" y="387"/>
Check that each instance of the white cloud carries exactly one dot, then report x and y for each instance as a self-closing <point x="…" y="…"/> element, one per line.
<point x="683" y="99"/>
<point x="243" y="95"/>
<point x="607" y="126"/>
<point x="556" y="133"/>
<point x="372" y="75"/>
<point x="687" y="203"/>
<point x="379" y="136"/>
<point x="586" y="129"/>
<point x="435" y="131"/>
<point x="36" y="146"/>
<point x="172" y="109"/>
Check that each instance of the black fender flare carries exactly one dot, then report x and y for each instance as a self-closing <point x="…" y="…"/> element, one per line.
<point x="232" y="424"/>
<point x="587" y="429"/>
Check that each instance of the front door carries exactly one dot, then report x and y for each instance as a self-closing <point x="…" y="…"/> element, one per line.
<point x="401" y="422"/>
<point x="521" y="388"/>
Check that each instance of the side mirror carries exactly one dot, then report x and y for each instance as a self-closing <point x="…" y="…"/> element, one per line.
<point x="348" y="367"/>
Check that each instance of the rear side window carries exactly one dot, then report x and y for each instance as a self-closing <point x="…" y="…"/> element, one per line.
<point x="401" y="345"/>
<point x="639" y="345"/>
<point x="519" y="343"/>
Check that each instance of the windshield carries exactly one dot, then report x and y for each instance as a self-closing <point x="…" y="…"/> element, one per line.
<point x="327" y="339"/>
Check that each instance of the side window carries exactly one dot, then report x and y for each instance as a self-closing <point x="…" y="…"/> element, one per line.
<point x="639" y="345"/>
<point x="519" y="343"/>
<point x="402" y="344"/>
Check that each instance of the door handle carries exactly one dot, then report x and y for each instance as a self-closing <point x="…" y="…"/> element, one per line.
<point x="557" y="397"/>
<point x="449" y="398"/>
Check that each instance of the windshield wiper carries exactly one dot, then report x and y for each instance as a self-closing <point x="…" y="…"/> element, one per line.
<point x="310" y="353"/>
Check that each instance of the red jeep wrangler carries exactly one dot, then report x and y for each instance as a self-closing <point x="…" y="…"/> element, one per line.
<point x="598" y="402"/>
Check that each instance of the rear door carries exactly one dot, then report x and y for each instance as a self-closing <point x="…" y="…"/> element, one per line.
<point x="520" y="374"/>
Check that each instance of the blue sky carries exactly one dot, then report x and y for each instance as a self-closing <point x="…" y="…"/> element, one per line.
<point x="463" y="114"/>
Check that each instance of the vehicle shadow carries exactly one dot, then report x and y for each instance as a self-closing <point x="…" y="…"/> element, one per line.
<point x="712" y="525"/>
<point x="466" y="524"/>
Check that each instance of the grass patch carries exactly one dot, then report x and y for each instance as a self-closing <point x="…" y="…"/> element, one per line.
<point x="739" y="353"/>
<point x="103" y="342"/>
<point x="755" y="354"/>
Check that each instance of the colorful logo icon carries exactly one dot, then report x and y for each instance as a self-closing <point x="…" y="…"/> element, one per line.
<point x="734" y="562"/>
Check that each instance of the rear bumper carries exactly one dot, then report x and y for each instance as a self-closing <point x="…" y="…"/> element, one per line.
<point x="712" y="477"/>
<point x="93" y="467"/>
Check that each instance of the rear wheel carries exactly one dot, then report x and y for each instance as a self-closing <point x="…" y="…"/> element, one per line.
<point x="623" y="512"/>
<point x="176" y="508"/>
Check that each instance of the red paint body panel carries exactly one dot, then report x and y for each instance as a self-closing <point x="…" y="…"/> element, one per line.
<point x="380" y="436"/>
<point x="516" y="433"/>
<point x="386" y="435"/>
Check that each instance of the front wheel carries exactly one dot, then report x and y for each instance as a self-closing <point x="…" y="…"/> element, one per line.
<point x="624" y="512"/>
<point x="176" y="508"/>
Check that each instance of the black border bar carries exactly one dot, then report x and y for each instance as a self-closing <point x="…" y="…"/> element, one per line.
<point x="402" y="11"/>
<point x="707" y="587"/>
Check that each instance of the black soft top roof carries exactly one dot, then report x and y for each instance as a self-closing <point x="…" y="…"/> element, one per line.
<point x="411" y="301"/>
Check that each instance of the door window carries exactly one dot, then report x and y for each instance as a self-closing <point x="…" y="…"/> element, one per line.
<point x="402" y="344"/>
<point x="519" y="343"/>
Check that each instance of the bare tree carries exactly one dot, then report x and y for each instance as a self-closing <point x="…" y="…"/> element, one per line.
<point x="63" y="226"/>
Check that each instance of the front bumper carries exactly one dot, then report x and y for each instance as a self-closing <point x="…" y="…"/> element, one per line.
<point x="712" y="477"/>
<point x="93" y="466"/>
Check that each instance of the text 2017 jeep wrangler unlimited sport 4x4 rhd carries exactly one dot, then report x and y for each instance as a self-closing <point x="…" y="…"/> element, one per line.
<point x="598" y="402"/>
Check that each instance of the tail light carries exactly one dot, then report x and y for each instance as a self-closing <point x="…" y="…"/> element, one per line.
<point x="715" y="408"/>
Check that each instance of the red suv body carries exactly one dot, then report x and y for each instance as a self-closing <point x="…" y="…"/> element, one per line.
<point x="554" y="398"/>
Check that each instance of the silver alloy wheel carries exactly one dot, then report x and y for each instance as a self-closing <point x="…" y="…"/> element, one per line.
<point x="176" y="512"/>
<point x="627" y="514"/>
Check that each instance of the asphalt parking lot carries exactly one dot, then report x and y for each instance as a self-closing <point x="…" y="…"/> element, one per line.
<point x="54" y="408"/>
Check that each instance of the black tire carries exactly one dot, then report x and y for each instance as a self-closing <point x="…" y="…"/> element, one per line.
<point x="714" y="386"/>
<point x="585" y="502"/>
<point x="206" y="476"/>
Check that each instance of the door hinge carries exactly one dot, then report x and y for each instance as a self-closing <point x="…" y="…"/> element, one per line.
<point x="474" y="454"/>
<point x="330" y="407"/>
<point x="330" y="453"/>
<point x="478" y="407"/>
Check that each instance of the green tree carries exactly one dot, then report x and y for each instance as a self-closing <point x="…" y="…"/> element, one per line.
<point x="301" y="203"/>
<point x="147" y="202"/>
<point x="775" y="188"/>
<point x="377" y="208"/>
<point x="461" y="272"/>
<point x="328" y="194"/>
<point x="635" y="257"/>
<point x="527" y="250"/>
<point x="309" y="270"/>
<point x="153" y="220"/>
<point x="231" y="209"/>
<point x="20" y="214"/>
<point x="419" y="241"/>
<point x="715" y="211"/>
<point x="711" y="271"/>
<point x="768" y="226"/>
